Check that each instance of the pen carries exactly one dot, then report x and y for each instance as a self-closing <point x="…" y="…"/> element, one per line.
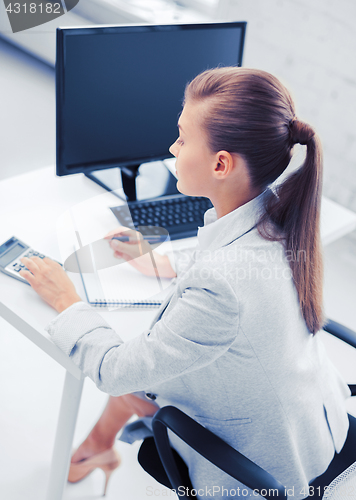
<point x="150" y="238"/>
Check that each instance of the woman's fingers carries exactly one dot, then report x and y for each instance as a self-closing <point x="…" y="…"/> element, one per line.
<point x="38" y="267"/>
<point x="128" y="235"/>
<point x="118" y="255"/>
<point x="51" y="263"/>
<point x="32" y="264"/>
<point x="117" y="245"/>
<point x="119" y="231"/>
<point x="28" y="276"/>
<point x="50" y="281"/>
<point x="35" y="267"/>
<point x="127" y="249"/>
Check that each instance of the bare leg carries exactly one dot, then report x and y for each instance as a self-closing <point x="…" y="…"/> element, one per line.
<point x="115" y="415"/>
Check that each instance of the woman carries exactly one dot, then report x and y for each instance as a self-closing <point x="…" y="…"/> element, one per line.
<point x="235" y="344"/>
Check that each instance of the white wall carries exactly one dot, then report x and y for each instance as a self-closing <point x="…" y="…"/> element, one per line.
<point x="27" y="104"/>
<point x="311" y="46"/>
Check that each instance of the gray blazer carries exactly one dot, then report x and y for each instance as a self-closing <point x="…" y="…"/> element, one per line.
<point x="230" y="348"/>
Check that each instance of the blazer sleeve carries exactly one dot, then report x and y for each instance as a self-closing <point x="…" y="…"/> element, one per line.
<point x="200" y="327"/>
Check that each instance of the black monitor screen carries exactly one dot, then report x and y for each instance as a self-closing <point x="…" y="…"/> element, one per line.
<point x="120" y="89"/>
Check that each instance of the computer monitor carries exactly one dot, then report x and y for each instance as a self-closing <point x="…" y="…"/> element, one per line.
<point x="119" y="92"/>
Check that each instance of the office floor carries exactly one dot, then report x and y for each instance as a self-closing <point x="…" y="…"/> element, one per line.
<point x="31" y="382"/>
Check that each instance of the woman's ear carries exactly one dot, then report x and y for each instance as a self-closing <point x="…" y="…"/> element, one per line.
<point x="224" y="164"/>
<point x="229" y="163"/>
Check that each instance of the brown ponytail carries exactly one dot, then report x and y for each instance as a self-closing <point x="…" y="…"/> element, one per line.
<point x="295" y="212"/>
<point x="252" y="114"/>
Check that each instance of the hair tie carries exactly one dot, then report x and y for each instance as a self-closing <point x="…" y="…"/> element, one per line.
<point x="300" y="132"/>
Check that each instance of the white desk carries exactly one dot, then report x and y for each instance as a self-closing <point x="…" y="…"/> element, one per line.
<point x="30" y="207"/>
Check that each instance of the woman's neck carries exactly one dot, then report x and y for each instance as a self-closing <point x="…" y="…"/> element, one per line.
<point x="225" y="205"/>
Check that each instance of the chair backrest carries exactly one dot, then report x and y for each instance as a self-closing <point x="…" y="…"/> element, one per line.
<point x="340" y="473"/>
<point x="211" y="447"/>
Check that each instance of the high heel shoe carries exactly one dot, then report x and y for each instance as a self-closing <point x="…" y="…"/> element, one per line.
<point x="108" y="461"/>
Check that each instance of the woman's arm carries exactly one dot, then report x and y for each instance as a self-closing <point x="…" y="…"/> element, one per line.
<point x="200" y="327"/>
<point x="53" y="285"/>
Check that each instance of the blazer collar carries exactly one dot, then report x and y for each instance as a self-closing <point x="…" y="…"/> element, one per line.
<point x="217" y="233"/>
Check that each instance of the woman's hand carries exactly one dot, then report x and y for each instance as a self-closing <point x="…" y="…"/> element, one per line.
<point x="50" y="281"/>
<point x="139" y="253"/>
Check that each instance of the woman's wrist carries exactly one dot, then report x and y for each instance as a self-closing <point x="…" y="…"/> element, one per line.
<point x="66" y="301"/>
<point x="165" y="269"/>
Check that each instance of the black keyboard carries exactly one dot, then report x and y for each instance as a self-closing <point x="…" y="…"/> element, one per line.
<point x="180" y="215"/>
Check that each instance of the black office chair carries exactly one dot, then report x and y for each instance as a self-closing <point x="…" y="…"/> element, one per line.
<point x="163" y="463"/>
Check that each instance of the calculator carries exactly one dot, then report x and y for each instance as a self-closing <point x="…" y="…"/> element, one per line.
<point x="10" y="254"/>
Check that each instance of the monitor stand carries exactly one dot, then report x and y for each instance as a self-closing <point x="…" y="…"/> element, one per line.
<point x="114" y="179"/>
<point x="139" y="182"/>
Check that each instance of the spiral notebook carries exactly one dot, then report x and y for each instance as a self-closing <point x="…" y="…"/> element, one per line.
<point x="121" y="285"/>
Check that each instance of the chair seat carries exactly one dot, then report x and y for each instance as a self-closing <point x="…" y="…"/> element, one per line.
<point x="149" y="460"/>
<point x="343" y="487"/>
<point x="338" y="465"/>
